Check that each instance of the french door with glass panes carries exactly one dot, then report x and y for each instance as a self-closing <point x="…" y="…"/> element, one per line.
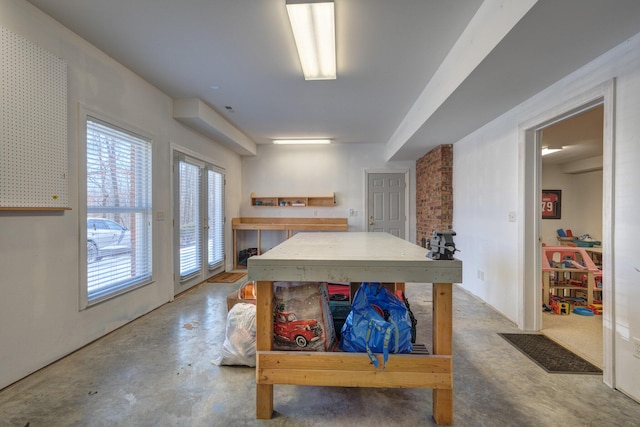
<point x="198" y="221"/>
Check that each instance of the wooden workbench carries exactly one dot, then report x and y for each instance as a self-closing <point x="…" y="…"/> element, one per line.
<point x="288" y="225"/>
<point x="354" y="257"/>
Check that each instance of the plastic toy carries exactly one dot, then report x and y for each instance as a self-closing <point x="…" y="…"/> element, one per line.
<point x="564" y="308"/>
<point x="559" y="306"/>
<point x="596" y="308"/>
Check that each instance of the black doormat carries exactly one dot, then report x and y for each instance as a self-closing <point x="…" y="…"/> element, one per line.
<point x="551" y="356"/>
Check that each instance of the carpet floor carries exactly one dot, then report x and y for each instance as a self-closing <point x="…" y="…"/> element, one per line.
<point x="583" y="335"/>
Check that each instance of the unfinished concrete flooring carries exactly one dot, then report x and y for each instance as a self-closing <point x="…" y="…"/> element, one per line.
<point x="158" y="371"/>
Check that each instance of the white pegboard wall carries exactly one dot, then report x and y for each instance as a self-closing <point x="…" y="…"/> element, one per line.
<point x="33" y="130"/>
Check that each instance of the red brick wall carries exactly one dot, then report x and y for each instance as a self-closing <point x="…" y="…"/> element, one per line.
<point x="434" y="192"/>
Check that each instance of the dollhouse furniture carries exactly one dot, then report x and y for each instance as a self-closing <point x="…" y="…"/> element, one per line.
<point x="569" y="269"/>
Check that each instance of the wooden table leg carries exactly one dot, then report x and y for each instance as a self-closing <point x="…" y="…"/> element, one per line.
<point x="235" y="249"/>
<point x="264" y="341"/>
<point x="264" y="401"/>
<point x="443" y="344"/>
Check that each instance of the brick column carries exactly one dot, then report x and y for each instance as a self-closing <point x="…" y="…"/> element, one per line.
<point x="434" y="192"/>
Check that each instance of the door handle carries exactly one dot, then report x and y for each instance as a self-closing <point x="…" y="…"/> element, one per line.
<point x="370" y="222"/>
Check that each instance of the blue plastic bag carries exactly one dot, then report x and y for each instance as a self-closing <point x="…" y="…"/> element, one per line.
<point x="378" y="323"/>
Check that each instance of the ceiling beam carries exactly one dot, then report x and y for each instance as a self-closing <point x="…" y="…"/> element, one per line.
<point x="491" y="23"/>
<point x="197" y="115"/>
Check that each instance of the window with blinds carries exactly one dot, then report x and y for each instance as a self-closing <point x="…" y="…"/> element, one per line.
<point x="190" y="219"/>
<point x="119" y="210"/>
<point x="215" y="214"/>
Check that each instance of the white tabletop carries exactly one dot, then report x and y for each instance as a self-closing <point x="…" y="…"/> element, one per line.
<point x="351" y="257"/>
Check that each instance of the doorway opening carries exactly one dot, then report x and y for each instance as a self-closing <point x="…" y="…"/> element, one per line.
<point x="530" y="313"/>
<point x="572" y="169"/>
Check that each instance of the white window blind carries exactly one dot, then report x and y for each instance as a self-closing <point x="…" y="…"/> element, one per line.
<point x="190" y="219"/>
<point x="119" y="210"/>
<point x="216" y="218"/>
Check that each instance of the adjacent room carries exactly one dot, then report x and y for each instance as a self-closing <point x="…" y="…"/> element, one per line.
<point x="166" y="164"/>
<point x="572" y="171"/>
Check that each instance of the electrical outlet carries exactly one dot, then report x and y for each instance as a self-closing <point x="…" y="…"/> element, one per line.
<point x="481" y="275"/>
<point x="636" y="348"/>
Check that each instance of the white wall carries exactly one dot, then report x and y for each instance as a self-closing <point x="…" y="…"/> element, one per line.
<point x="39" y="252"/>
<point x="317" y="170"/>
<point x="581" y="207"/>
<point x="486" y="179"/>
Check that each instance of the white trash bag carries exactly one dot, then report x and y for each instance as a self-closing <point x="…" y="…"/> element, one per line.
<point x="239" y="346"/>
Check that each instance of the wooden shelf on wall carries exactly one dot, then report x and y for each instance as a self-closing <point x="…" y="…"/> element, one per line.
<point x="2" y="208"/>
<point x="293" y="201"/>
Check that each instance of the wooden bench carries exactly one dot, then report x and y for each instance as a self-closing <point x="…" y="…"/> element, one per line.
<point x="288" y="225"/>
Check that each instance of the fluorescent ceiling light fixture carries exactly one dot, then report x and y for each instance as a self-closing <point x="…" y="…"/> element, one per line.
<point x="313" y="25"/>
<point x="549" y="150"/>
<point x="302" y="141"/>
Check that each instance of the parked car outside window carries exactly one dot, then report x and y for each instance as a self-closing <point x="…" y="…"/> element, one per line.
<point x="106" y="237"/>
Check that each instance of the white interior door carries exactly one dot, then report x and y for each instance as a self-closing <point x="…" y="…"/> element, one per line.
<point x="386" y="203"/>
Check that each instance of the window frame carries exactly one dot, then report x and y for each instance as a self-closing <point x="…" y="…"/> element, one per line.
<point x="199" y="214"/>
<point x="220" y="263"/>
<point x="86" y="114"/>
<point x="178" y="151"/>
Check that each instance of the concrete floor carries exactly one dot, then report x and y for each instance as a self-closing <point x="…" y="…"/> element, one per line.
<point x="158" y="371"/>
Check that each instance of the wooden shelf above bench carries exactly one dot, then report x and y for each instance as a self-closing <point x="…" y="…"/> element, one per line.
<point x="293" y="201"/>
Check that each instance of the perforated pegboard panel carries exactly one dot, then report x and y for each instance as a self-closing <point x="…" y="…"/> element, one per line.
<point x="33" y="130"/>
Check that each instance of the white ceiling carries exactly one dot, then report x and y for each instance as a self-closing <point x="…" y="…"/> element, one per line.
<point x="240" y="54"/>
<point x="580" y="136"/>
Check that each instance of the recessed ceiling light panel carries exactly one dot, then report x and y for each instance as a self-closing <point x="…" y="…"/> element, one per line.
<point x="313" y="25"/>
<point x="302" y="141"/>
